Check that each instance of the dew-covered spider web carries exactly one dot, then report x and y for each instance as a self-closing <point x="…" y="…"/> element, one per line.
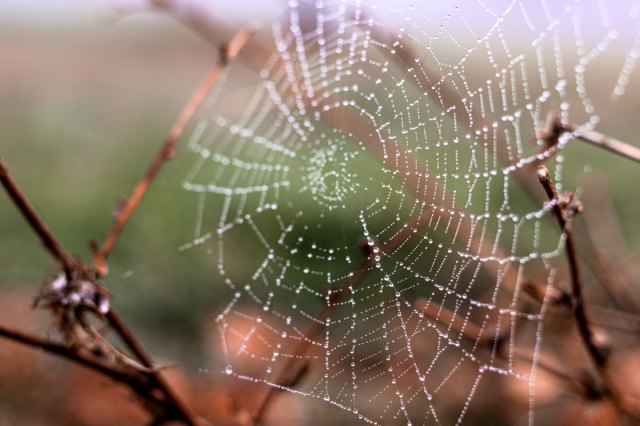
<point x="369" y="194"/>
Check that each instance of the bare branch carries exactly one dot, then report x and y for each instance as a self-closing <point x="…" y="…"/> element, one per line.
<point x="598" y="356"/>
<point x="140" y="380"/>
<point x="63" y="351"/>
<point x="132" y="343"/>
<point x="52" y="245"/>
<point x="576" y="280"/>
<point x="78" y="272"/>
<point x="167" y="151"/>
<point x="554" y="128"/>
<point x="605" y="142"/>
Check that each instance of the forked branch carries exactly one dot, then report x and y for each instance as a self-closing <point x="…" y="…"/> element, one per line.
<point x="564" y="208"/>
<point x="554" y="128"/>
<point x="146" y="380"/>
<point x="77" y="272"/>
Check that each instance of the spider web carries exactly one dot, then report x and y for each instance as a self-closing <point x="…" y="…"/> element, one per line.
<point x="364" y="194"/>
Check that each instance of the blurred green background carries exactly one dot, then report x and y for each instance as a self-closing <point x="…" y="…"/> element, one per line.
<point x="84" y="105"/>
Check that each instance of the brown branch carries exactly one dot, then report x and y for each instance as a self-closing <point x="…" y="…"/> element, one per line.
<point x="63" y="351"/>
<point x="605" y="142"/>
<point x="597" y="355"/>
<point x="192" y="15"/>
<point x="576" y="280"/>
<point x="138" y="380"/>
<point x="210" y="29"/>
<point x="52" y="245"/>
<point x="554" y="128"/>
<point x="167" y="150"/>
<point x="593" y="254"/>
<point x="132" y="343"/>
<point x="80" y="271"/>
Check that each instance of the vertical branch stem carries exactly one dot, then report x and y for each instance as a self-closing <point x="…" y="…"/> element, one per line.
<point x="582" y="320"/>
<point x="585" y="331"/>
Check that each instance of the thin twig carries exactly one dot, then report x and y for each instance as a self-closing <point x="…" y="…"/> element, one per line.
<point x="192" y="15"/>
<point x="597" y="355"/>
<point x="167" y="150"/>
<point x="132" y="343"/>
<point x="209" y="28"/>
<point x="576" y="280"/>
<point x="605" y="142"/>
<point x="554" y="128"/>
<point x="48" y="240"/>
<point x="136" y="379"/>
<point x="63" y="351"/>
<point x="592" y="253"/>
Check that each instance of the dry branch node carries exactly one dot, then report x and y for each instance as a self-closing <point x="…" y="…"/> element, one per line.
<point x="75" y="294"/>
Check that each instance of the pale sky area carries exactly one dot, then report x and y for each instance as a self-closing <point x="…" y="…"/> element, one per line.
<point x="56" y="11"/>
<point x="240" y="11"/>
